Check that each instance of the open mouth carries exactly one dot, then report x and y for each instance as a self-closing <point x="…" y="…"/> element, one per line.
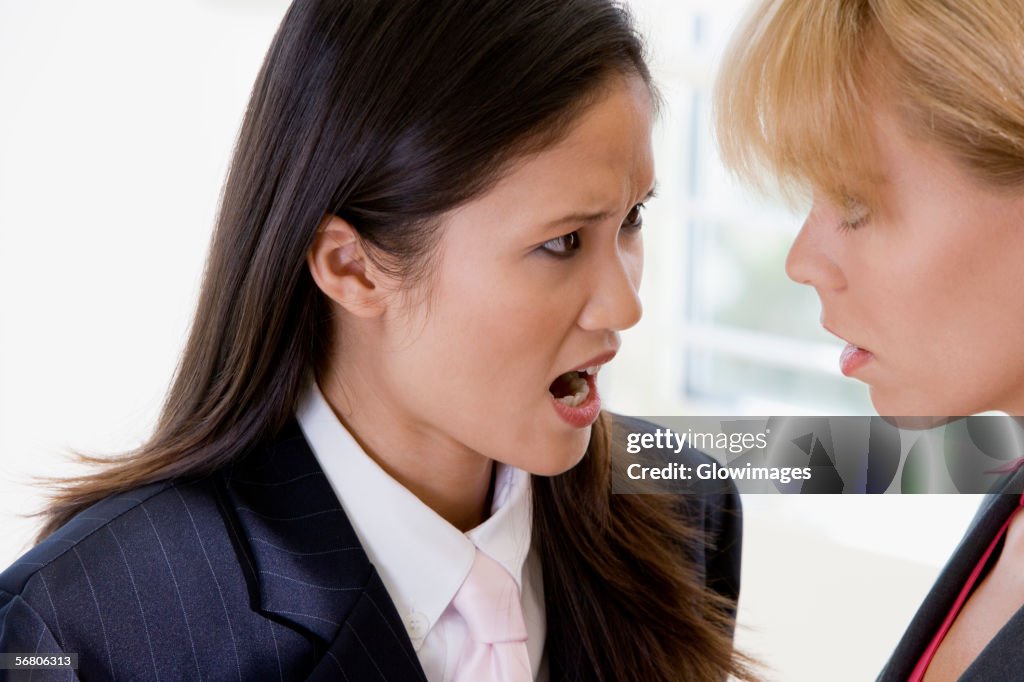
<point x="573" y="388"/>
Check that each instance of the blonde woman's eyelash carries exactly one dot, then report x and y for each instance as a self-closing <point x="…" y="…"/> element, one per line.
<point x="849" y="226"/>
<point x="853" y="223"/>
<point x="856" y="215"/>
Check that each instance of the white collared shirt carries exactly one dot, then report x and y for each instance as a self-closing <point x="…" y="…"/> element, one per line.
<point x="421" y="558"/>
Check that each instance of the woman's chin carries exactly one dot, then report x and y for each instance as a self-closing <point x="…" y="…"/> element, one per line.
<point x="890" y="403"/>
<point x="558" y="460"/>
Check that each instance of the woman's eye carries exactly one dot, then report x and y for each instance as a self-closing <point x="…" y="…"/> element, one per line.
<point x="564" y="245"/>
<point x="855" y="214"/>
<point x="635" y="217"/>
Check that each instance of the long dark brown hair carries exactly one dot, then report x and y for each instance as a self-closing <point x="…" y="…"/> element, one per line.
<point x="389" y="114"/>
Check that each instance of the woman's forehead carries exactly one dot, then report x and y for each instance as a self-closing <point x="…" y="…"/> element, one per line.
<point x="605" y="159"/>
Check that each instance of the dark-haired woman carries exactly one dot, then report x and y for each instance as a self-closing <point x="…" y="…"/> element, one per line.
<point x="383" y="455"/>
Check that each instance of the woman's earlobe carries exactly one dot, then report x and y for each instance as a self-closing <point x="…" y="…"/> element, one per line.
<point x="341" y="269"/>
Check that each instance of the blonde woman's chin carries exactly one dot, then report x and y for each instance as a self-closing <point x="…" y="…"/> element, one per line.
<point x="914" y="408"/>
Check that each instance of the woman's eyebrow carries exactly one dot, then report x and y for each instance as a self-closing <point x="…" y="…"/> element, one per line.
<point x="595" y="217"/>
<point x="578" y="219"/>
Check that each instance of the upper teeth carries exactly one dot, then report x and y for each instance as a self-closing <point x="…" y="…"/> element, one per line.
<point x="593" y="369"/>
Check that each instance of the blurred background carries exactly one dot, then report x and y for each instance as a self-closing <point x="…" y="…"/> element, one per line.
<point x="117" y="121"/>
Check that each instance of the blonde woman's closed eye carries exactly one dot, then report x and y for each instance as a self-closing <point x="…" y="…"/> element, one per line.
<point x="855" y="214"/>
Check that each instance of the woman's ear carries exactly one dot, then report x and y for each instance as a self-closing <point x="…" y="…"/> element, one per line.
<point x="341" y="269"/>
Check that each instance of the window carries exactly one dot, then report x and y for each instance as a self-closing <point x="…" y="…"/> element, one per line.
<point x="725" y="331"/>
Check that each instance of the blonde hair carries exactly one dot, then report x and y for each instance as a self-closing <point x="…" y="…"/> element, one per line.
<point x="794" y="98"/>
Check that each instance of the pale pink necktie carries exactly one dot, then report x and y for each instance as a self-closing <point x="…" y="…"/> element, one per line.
<point x="495" y="648"/>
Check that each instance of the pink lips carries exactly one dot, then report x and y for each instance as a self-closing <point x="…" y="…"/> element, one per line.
<point x="853" y="358"/>
<point x="584" y="414"/>
<point x="597" y="360"/>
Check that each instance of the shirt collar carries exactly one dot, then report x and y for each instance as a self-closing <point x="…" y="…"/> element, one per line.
<point x="421" y="558"/>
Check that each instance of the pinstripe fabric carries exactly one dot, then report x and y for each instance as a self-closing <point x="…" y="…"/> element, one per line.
<point x="1003" y="658"/>
<point x="252" y="573"/>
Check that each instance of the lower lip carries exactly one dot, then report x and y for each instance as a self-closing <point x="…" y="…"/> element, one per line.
<point x="853" y="358"/>
<point x="585" y="413"/>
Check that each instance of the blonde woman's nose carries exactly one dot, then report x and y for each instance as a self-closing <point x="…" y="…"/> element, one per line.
<point x="811" y="258"/>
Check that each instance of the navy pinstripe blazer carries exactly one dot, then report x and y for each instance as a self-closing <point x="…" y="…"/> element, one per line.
<point x="1002" y="660"/>
<point x="252" y="573"/>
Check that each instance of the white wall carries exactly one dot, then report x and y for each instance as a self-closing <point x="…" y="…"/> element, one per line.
<point x="117" y="120"/>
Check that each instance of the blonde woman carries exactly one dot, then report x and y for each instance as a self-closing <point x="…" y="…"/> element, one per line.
<point x="905" y="122"/>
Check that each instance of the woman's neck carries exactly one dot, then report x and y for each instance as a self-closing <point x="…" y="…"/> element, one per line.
<point x="453" y="481"/>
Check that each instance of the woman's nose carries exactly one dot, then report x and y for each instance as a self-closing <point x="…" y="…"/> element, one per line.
<point x="811" y="259"/>
<point x="614" y="303"/>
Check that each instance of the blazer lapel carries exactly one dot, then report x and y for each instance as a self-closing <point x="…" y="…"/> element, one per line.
<point x="305" y="565"/>
<point x="1003" y="657"/>
<point x="993" y="512"/>
<point x="372" y="645"/>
